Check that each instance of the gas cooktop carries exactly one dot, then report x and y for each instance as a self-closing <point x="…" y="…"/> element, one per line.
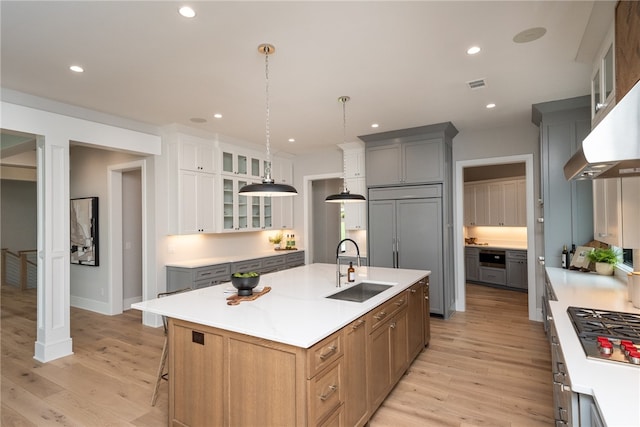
<point x="608" y="335"/>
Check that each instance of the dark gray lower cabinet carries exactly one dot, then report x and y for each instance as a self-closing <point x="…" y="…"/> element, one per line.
<point x="471" y="264"/>
<point x="405" y="231"/>
<point x="517" y="269"/>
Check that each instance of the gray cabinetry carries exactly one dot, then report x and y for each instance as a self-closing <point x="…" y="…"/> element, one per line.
<point x="471" y="264"/>
<point x="418" y="161"/>
<point x="194" y="278"/>
<point x="517" y="269"/>
<point x="495" y="276"/>
<point x="405" y="231"/>
<point x="294" y="259"/>
<point x="567" y="205"/>
<point x="210" y="275"/>
<point x="410" y="226"/>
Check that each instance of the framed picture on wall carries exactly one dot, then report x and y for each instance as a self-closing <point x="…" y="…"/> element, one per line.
<point x="84" y="231"/>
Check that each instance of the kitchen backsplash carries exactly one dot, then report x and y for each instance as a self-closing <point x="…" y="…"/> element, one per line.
<point x="498" y="235"/>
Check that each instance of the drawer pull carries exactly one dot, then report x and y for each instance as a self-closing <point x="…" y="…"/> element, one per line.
<point x="332" y="350"/>
<point x="332" y="389"/>
<point x="357" y="324"/>
<point x="413" y="291"/>
<point x="399" y="303"/>
<point x="380" y="315"/>
<point x="393" y="325"/>
<point x="208" y="273"/>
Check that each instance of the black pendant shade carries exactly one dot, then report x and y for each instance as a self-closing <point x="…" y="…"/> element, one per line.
<point x="268" y="188"/>
<point x="345" y="197"/>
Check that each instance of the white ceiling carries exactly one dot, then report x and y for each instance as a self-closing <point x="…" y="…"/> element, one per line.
<point x="404" y="64"/>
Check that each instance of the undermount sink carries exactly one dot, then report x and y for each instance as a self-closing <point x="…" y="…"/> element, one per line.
<point x="360" y="292"/>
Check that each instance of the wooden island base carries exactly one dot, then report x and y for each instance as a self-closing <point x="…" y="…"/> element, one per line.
<point x="222" y="378"/>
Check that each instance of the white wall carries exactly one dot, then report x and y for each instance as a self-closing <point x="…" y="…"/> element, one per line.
<point x="18" y="215"/>
<point x="88" y="178"/>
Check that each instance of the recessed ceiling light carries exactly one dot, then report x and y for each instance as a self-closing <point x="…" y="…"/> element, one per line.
<point x="292" y="140"/>
<point x="491" y="105"/>
<point x="76" y="69"/>
<point x="198" y="120"/>
<point x="187" y="12"/>
<point x="375" y="125"/>
<point x="473" y="50"/>
<point x="529" y="35"/>
<point x="217" y="116"/>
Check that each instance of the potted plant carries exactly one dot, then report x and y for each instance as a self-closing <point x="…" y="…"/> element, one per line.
<point x="605" y="260"/>
<point x="276" y="240"/>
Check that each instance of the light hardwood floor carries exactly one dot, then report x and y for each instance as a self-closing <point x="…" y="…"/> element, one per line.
<point x="488" y="366"/>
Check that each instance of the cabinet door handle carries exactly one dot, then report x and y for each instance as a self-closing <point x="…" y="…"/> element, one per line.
<point x="413" y="291"/>
<point x="332" y="389"/>
<point x="399" y="303"/>
<point x="393" y="325"/>
<point x="380" y="315"/>
<point x="332" y="350"/>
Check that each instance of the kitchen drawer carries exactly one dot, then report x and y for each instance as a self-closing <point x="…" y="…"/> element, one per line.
<point x="381" y="314"/>
<point x="325" y="392"/>
<point x="247" y="266"/>
<point x="335" y="419"/>
<point x="212" y="271"/>
<point x="212" y="281"/>
<point x="324" y="353"/>
<point x="273" y="263"/>
<point x="497" y="276"/>
<point x="519" y="255"/>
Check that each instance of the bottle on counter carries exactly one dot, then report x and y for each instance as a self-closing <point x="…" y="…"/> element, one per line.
<point x="293" y="241"/>
<point x="565" y="257"/>
<point x="571" y="253"/>
<point x="351" y="273"/>
<point x="287" y="243"/>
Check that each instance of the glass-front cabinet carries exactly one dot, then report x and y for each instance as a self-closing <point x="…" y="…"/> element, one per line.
<point x="242" y="213"/>
<point x="244" y="164"/>
<point x="603" y="80"/>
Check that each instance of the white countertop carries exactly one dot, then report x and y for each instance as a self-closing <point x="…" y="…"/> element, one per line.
<point x="294" y="312"/>
<point x="204" y="262"/>
<point x="614" y="386"/>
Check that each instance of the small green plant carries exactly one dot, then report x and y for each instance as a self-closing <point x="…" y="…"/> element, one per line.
<point x="276" y="239"/>
<point x="607" y="255"/>
<point x="249" y="274"/>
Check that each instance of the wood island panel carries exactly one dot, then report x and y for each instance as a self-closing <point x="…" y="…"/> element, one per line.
<point x="627" y="34"/>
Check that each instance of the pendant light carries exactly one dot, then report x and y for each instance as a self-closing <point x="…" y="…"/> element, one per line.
<point x="268" y="187"/>
<point x="345" y="196"/>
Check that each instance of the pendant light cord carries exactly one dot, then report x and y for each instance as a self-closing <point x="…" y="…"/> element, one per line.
<point x="344" y="100"/>
<point x="267" y="172"/>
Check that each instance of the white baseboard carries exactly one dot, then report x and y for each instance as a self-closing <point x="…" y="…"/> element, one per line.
<point x="90" y="304"/>
<point x="126" y="303"/>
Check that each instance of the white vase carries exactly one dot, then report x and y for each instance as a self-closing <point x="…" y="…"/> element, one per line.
<point x="604" y="268"/>
<point x="276" y="246"/>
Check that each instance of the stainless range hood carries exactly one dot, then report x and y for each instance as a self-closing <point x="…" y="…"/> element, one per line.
<point x="612" y="149"/>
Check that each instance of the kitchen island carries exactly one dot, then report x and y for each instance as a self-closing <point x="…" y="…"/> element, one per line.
<point x="614" y="387"/>
<point x="292" y="356"/>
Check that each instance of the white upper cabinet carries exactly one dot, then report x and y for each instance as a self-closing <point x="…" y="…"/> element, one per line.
<point x="495" y="203"/>
<point x="607" y="213"/>
<point x="282" y="207"/>
<point x="603" y="96"/>
<point x="354" y="160"/>
<point x="196" y="154"/>
<point x="630" y="194"/>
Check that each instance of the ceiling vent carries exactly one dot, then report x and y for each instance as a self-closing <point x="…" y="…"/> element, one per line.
<point x="477" y="84"/>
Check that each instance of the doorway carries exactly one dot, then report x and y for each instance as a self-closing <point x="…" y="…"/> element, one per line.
<point x="533" y="291"/>
<point x="326" y="220"/>
<point x="127" y="225"/>
<point x="310" y="216"/>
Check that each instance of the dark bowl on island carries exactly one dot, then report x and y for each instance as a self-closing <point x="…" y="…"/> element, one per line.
<point x="245" y="284"/>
